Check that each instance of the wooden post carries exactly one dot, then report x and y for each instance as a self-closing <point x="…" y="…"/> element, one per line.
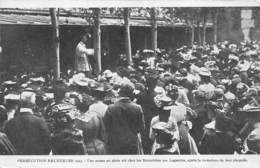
<point x="56" y="41"/>
<point x="199" y="34"/>
<point x="204" y="30"/>
<point x="192" y="32"/>
<point x="215" y="26"/>
<point x="97" y="39"/>
<point x="154" y="29"/>
<point x="1" y="50"/>
<point x="127" y="36"/>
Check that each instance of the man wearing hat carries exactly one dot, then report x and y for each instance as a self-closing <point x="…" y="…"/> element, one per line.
<point x="216" y="138"/>
<point x="27" y="132"/>
<point x="124" y="121"/>
<point x="82" y="63"/>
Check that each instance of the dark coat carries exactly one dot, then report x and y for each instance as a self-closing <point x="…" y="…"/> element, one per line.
<point x="29" y="134"/>
<point x="217" y="143"/>
<point x="123" y="121"/>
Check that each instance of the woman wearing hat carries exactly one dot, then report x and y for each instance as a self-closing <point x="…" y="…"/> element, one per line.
<point x="180" y="113"/>
<point x="206" y="86"/>
<point x="66" y="139"/>
<point x="91" y="123"/>
<point x="169" y="125"/>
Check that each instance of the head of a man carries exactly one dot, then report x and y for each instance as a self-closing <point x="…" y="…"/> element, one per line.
<point x="28" y="99"/>
<point x="84" y="38"/>
<point x="126" y="90"/>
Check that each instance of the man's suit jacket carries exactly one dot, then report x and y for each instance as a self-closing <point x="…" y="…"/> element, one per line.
<point x="29" y="134"/>
<point x="123" y="121"/>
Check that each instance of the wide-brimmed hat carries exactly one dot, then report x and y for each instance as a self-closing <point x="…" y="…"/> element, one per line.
<point x="81" y="81"/>
<point x="253" y="110"/>
<point x="108" y="74"/>
<point x="9" y="83"/>
<point x="12" y="97"/>
<point x="103" y="87"/>
<point x="162" y="101"/>
<point x="163" y="132"/>
<point x="219" y="92"/>
<point x="204" y="72"/>
<point x="38" y="79"/>
<point x="161" y="127"/>
<point x="226" y="81"/>
<point x="251" y="92"/>
<point x="233" y="57"/>
<point x="236" y="79"/>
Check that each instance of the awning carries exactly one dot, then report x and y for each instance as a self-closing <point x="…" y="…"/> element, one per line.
<point x="16" y="19"/>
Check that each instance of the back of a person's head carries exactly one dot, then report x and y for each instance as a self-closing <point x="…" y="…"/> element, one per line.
<point x="126" y="90"/>
<point x="28" y="99"/>
<point x="60" y="91"/>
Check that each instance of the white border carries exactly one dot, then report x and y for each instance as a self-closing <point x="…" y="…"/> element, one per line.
<point x="126" y="3"/>
<point x="13" y="161"/>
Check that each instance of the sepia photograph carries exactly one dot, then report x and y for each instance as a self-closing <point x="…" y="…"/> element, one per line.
<point x="130" y="81"/>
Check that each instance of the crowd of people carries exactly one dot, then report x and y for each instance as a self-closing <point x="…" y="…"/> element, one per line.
<point x="193" y="100"/>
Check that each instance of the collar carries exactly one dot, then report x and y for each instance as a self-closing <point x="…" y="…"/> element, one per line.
<point x="124" y="99"/>
<point x="82" y="43"/>
<point x="26" y="110"/>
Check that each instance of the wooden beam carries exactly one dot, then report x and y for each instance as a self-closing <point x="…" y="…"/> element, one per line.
<point x="127" y="36"/>
<point x="97" y="39"/>
<point x="154" y="29"/>
<point x="56" y="41"/>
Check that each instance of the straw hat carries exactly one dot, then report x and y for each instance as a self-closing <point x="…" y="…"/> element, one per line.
<point x="204" y="72"/>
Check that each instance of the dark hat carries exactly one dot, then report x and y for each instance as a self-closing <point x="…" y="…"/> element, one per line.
<point x="164" y="135"/>
<point x="144" y="63"/>
<point x="163" y="101"/>
<point x="102" y="87"/>
<point x="64" y="113"/>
